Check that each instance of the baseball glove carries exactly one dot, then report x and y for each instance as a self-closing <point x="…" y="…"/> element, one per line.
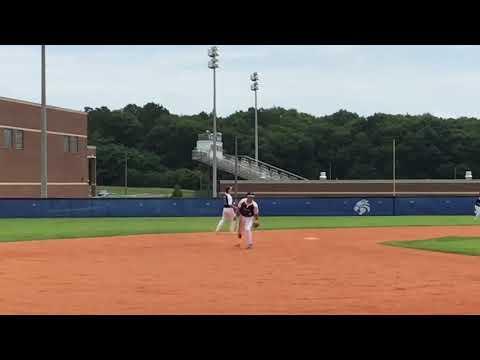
<point x="256" y="224"/>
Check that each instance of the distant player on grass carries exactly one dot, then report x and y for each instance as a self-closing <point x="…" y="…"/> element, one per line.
<point x="477" y="208"/>
<point x="248" y="213"/>
<point x="228" y="214"/>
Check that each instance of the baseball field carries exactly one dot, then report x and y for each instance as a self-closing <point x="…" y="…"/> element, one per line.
<point x="299" y="265"/>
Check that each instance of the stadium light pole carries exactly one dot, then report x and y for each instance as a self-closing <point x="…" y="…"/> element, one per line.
<point x="254" y="88"/>
<point x="43" y="141"/>
<point x="213" y="64"/>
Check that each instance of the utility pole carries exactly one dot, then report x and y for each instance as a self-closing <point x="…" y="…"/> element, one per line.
<point x="126" y="173"/>
<point x="393" y="167"/>
<point x="236" y="166"/>
<point x="44" y="135"/>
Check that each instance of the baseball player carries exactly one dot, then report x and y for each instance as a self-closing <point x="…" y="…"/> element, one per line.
<point x="248" y="213"/>
<point x="228" y="214"/>
<point x="477" y="208"/>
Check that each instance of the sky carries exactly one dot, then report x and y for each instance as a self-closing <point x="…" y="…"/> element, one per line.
<point x="319" y="80"/>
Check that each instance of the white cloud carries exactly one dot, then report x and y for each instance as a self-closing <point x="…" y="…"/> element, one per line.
<point x="443" y="80"/>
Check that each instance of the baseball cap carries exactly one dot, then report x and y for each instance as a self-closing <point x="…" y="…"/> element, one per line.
<point x="250" y="194"/>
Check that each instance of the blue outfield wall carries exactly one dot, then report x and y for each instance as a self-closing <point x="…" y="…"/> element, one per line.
<point x="435" y="206"/>
<point x="33" y="208"/>
<point x="324" y="206"/>
<point x="148" y="207"/>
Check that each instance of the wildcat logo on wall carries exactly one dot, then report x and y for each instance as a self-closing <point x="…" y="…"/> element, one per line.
<point x="362" y="207"/>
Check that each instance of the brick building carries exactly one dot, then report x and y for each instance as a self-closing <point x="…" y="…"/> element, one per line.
<point x="71" y="162"/>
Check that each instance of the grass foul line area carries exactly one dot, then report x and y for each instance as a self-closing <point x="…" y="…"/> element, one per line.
<point x="61" y="228"/>
<point x="453" y="245"/>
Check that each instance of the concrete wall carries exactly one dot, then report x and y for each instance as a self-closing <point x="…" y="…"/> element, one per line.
<point x="357" y="188"/>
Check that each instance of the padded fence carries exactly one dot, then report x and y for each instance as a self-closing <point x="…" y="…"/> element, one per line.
<point x="386" y="206"/>
<point x="434" y="206"/>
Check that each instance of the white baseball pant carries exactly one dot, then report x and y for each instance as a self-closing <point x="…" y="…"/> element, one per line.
<point x="227" y="216"/>
<point x="245" y="226"/>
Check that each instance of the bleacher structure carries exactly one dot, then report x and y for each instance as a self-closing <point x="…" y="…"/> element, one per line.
<point x="248" y="168"/>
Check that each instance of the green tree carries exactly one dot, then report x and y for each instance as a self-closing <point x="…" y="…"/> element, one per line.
<point x="177" y="192"/>
<point x="159" y="144"/>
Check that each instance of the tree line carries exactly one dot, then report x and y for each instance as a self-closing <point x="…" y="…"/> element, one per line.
<point x="158" y="144"/>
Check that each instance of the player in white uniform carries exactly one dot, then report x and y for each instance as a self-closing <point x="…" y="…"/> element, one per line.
<point x="228" y="214"/>
<point x="248" y="213"/>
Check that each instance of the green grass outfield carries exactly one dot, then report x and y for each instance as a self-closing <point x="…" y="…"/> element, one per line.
<point x="39" y="229"/>
<point x="143" y="191"/>
<point x="456" y="245"/>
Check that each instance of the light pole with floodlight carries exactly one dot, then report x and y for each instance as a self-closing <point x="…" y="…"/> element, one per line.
<point x="254" y="88"/>
<point x="213" y="64"/>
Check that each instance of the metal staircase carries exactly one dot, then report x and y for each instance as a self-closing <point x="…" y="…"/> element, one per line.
<point x="248" y="168"/>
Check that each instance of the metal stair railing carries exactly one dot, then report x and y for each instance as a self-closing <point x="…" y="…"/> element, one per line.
<point x="228" y="164"/>
<point x="248" y="168"/>
<point x="245" y="170"/>
<point x="273" y="168"/>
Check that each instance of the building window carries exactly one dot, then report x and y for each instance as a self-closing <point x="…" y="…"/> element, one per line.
<point x="7" y="138"/>
<point x="71" y="144"/>
<point x="19" y="139"/>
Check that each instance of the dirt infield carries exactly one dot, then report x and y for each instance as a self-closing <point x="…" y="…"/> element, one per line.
<point x="330" y="271"/>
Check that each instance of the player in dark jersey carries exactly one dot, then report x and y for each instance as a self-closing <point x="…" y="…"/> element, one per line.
<point x="477" y="208"/>
<point x="248" y="213"/>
